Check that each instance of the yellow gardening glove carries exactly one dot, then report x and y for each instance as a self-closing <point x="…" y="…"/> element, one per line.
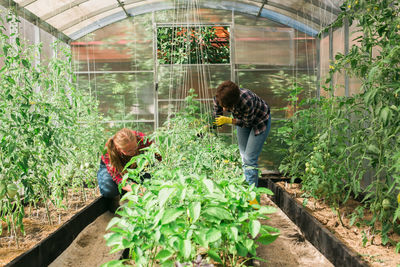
<point x="254" y="202"/>
<point x="221" y="120"/>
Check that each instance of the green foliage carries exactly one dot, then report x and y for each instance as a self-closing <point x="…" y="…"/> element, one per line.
<point x="197" y="200"/>
<point x="192" y="45"/>
<point x="337" y="141"/>
<point x="48" y="129"/>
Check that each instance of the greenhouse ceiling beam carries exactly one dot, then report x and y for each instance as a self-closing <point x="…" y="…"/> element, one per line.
<point x="225" y="5"/>
<point x="123" y="8"/>
<point x="88" y="16"/>
<point x="62" y="9"/>
<point x="294" y="11"/>
<point x="29" y="16"/>
<point x="26" y="3"/>
<point x="261" y="8"/>
<point x="103" y="10"/>
<point x="330" y="9"/>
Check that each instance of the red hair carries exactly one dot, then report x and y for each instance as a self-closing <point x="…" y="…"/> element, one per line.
<point x="121" y="148"/>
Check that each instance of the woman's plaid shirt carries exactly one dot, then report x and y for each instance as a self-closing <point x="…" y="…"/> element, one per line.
<point x="251" y="112"/>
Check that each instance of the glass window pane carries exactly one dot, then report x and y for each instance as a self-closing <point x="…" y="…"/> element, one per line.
<point x="305" y="51"/>
<point x="175" y="80"/>
<point x="264" y="45"/>
<point x="122" y="46"/>
<point x="47" y="41"/>
<point x="84" y="13"/>
<point x="338" y="47"/>
<point x="112" y="127"/>
<point x="248" y="20"/>
<point x="200" y="15"/>
<point x="122" y="96"/>
<point x="27" y="31"/>
<point x="324" y="64"/>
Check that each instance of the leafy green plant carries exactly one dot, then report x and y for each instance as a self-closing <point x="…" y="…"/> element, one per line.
<point x="339" y="144"/>
<point x="196" y="202"/>
<point x="47" y="128"/>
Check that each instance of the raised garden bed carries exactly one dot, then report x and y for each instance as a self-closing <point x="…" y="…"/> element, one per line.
<point x="341" y="244"/>
<point x="42" y="242"/>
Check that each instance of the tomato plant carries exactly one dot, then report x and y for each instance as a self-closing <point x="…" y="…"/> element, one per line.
<point x="193" y="45"/>
<point x="347" y="146"/>
<point x="48" y="127"/>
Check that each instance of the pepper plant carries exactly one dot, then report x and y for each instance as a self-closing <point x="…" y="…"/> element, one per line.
<point x="196" y="202"/>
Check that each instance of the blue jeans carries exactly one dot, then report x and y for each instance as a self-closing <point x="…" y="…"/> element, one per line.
<point x="108" y="188"/>
<point x="250" y="147"/>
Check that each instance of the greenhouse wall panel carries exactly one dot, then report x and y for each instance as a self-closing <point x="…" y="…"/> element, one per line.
<point x="338" y="47"/>
<point x="324" y="64"/>
<point x="264" y="46"/>
<point x="47" y="40"/>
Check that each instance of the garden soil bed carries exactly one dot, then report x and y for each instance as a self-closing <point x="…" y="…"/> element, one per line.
<point x="37" y="227"/>
<point x="290" y="249"/>
<point x="375" y="254"/>
<point x="89" y="247"/>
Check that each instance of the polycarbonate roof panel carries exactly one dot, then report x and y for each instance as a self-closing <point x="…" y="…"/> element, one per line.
<point x="76" y="18"/>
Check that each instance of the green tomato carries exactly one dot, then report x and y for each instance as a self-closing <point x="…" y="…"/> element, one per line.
<point x="386" y="204"/>
<point x="12" y="190"/>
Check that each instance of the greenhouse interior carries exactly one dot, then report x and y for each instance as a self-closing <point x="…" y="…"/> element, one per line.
<point x="200" y="133"/>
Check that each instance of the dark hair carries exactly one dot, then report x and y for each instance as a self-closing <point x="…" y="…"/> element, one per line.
<point x="228" y="94"/>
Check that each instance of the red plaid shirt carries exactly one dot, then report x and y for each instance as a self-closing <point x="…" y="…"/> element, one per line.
<point x="106" y="158"/>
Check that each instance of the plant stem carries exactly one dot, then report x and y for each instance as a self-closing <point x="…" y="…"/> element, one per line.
<point x="48" y="212"/>
<point x="15" y="232"/>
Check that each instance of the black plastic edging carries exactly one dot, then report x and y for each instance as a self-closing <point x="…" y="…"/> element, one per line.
<point x="328" y="244"/>
<point x="52" y="246"/>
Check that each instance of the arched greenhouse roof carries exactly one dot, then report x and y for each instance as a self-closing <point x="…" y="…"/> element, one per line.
<point x="72" y="19"/>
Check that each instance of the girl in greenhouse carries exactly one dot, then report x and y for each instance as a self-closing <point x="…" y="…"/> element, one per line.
<point x="252" y="118"/>
<point x="121" y="147"/>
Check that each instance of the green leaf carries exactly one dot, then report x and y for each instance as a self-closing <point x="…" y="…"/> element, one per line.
<point x="234" y="232"/>
<point x="219" y="213"/>
<point x="267" y="210"/>
<point x="254" y="228"/>
<point x="25" y="63"/>
<point x="243" y="217"/>
<point x="209" y="184"/>
<point x="266" y="239"/>
<point x="373" y="149"/>
<point x="186" y="248"/>
<point x="164" y="255"/>
<point x="167" y="264"/>
<point x="113" y="239"/>
<point x="171" y="214"/>
<point x="263" y="190"/>
<point x="213" y="235"/>
<point x="385" y="115"/>
<point x="114" y="263"/>
<point x="202" y="239"/>
<point x="266" y="229"/>
<point x="194" y="211"/>
<point x="242" y="250"/>
<point x="213" y="255"/>
<point x="163" y="195"/>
